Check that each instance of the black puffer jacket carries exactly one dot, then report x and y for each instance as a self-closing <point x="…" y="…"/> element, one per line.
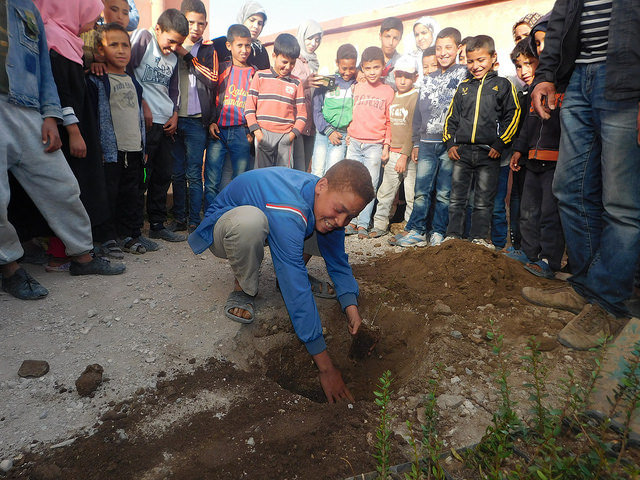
<point x="562" y="46"/>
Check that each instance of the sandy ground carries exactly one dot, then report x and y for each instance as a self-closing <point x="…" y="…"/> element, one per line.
<point x="163" y="314"/>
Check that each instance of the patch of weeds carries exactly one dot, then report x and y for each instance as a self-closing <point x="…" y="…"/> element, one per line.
<point x="383" y="431"/>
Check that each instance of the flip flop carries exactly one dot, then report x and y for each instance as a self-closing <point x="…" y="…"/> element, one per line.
<point x="239" y="299"/>
<point x="323" y="291"/>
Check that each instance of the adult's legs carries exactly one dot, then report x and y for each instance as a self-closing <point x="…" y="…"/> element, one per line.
<point x="530" y="216"/>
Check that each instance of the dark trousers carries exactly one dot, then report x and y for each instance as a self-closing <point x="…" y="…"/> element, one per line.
<point x="517" y="186"/>
<point x="158" y="175"/>
<point x="540" y="220"/>
<point x="474" y="169"/>
<point x="124" y="179"/>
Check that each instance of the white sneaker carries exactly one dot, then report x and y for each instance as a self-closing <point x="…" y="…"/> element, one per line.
<point x="436" y="239"/>
<point x="449" y="237"/>
<point x="483" y="242"/>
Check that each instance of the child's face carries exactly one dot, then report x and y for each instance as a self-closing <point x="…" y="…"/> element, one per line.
<point x="240" y="49"/>
<point x="521" y="31"/>
<point x="389" y="40"/>
<point x="462" y="56"/>
<point x="480" y="62"/>
<point x="429" y="64"/>
<point x="169" y="40"/>
<point x="197" y="24"/>
<point x="446" y="52"/>
<point x="116" y="49"/>
<point x="404" y="80"/>
<point x="312" y="44"/>
<point x="255" y="24"/>
<point x="334" y="209"/>
<point x="283" y="65"/>
<point x="116" y="11"/>
<point x="423" y="36"/>
<point x="346" y="68"/>
<point x="539" y="38"/>
<point x="372" y="70"/>
<point x="526" y="68"/>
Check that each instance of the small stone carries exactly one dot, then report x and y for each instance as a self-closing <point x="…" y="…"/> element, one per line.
<point x="546" y="344"/>
<point x="447" y="400"/>
<point x="455" y="380"/>
<point x="6" y="465"/>
<point x="192" y="361"/>
<point x="150" y="359"/>
<point x="66" y="443"/>
<point x="456" y="334"/>
<point x="468" y="371"/>
<point x="442" y="308"/>
<point x="568" y="358"/>
<point x="85" y="330"/>
<point x="477" y="339"/>
<point x="44" y="415"/>
<point x="90" y="380"/>
<point x="33" y="368"/>
<point x="251" y="442"/>
<point x="350" y="406"/>
<point x="92" y="313"/>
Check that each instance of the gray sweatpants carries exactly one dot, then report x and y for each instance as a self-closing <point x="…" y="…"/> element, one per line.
<point x="275" y="150"/>
<point x="239" y="236"/>
<point x="47" y="179"/>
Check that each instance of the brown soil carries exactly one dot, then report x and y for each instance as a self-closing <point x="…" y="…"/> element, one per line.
<point x="271" y="421"/>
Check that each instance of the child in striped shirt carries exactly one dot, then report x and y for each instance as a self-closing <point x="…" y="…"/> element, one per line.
<point x="275" y="108"/>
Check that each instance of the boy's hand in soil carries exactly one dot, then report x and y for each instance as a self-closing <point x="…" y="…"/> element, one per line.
<point x="335" y="138"/>
<point x="453" y="153"/>
<point x="77" y="147"/>
<point x="172" y="125"/>
<point x="354" y="318"/>
<point x="414" y="154"/>
<point x="51" y="135"/>
<point x="401" y="164"/>
<point x="493" y="153"/>
<point x="331" y="380"/>
<point x="514" y="162"/>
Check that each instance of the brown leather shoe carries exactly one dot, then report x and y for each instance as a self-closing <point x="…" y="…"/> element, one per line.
<point x="563" y="297"/>
<point x="589" y="328"/>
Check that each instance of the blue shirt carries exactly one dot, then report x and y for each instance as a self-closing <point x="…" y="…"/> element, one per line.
<point x="286" y="197"/>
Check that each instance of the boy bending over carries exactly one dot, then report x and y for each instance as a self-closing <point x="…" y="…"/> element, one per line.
<point x="298" y="215"/>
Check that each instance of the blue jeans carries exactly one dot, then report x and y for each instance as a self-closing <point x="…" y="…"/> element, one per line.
<point x="499" y="227"/>
<point x="370" y="155"/>
<point x="474" y="170"/>
<point x="433" y="171"/>
<point x="188" y="153"/>
<point x="326" y="155"/>
<point x="233" y="141"/>
<point x="597" y="184"/>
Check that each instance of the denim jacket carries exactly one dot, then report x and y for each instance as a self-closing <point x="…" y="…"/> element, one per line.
<point x="31" y="82"/>
<point x="99" y="89"/>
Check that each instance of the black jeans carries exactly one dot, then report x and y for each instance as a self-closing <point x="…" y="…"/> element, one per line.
<point x="540" y="225"/>
<point x="124" y="179"/>
<point x="474" y="169"/>
<point x="158" y="175"/>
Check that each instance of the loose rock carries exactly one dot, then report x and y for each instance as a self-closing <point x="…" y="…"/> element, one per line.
<point x="33" y="368"/>
<point x="90" y="380"/>
<point x="442" y="308"/>
<point x="6" y="465"/>
<point x="447" y="400"/>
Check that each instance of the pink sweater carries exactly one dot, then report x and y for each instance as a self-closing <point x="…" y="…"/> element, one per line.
<point x="371" y="123"/>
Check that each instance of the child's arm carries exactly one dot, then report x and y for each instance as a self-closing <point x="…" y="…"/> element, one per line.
<point x="300" y="112"/>
<point x="174" y="94"/>
<point x="139" y="42"/>
<point x="451" y="125"/>
<point x="416" y="124"/>
<point x="250" y="107"/>
<point x="387" y="129"/>
<point x="317" y="102"/>
<point x="207" y="75"/>
<point x="48" y="92"/>
<point x="509" y="117"/>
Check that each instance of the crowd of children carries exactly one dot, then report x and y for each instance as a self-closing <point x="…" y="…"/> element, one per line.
<point x="165" y="107"/>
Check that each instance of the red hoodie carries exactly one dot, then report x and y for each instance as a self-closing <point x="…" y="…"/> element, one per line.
<point x="371" y="123"/>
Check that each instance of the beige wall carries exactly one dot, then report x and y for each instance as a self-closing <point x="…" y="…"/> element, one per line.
<point x="474" y="17"/>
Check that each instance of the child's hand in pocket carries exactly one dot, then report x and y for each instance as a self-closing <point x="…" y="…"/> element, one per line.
<point x="258" y="135"/>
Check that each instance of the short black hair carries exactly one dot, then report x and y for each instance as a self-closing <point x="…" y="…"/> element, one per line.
<point x="481" y="41"/>
<point x="391" y="23"/>
<point x="351" y="176"/>
<point x="173" y="20"/>
<point x="450" y="32"/>
<point x="237" y="30"/>
<point x="523" y="47"/>
<point x="111" y="27"/>
<point x="286" y="45"/>
<point x="428" y="52"/>
<point x="196" y="6"/>
<point x="347" y="52"/>
<point x="465" y="40"/>
<point x="371" y="54"/>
